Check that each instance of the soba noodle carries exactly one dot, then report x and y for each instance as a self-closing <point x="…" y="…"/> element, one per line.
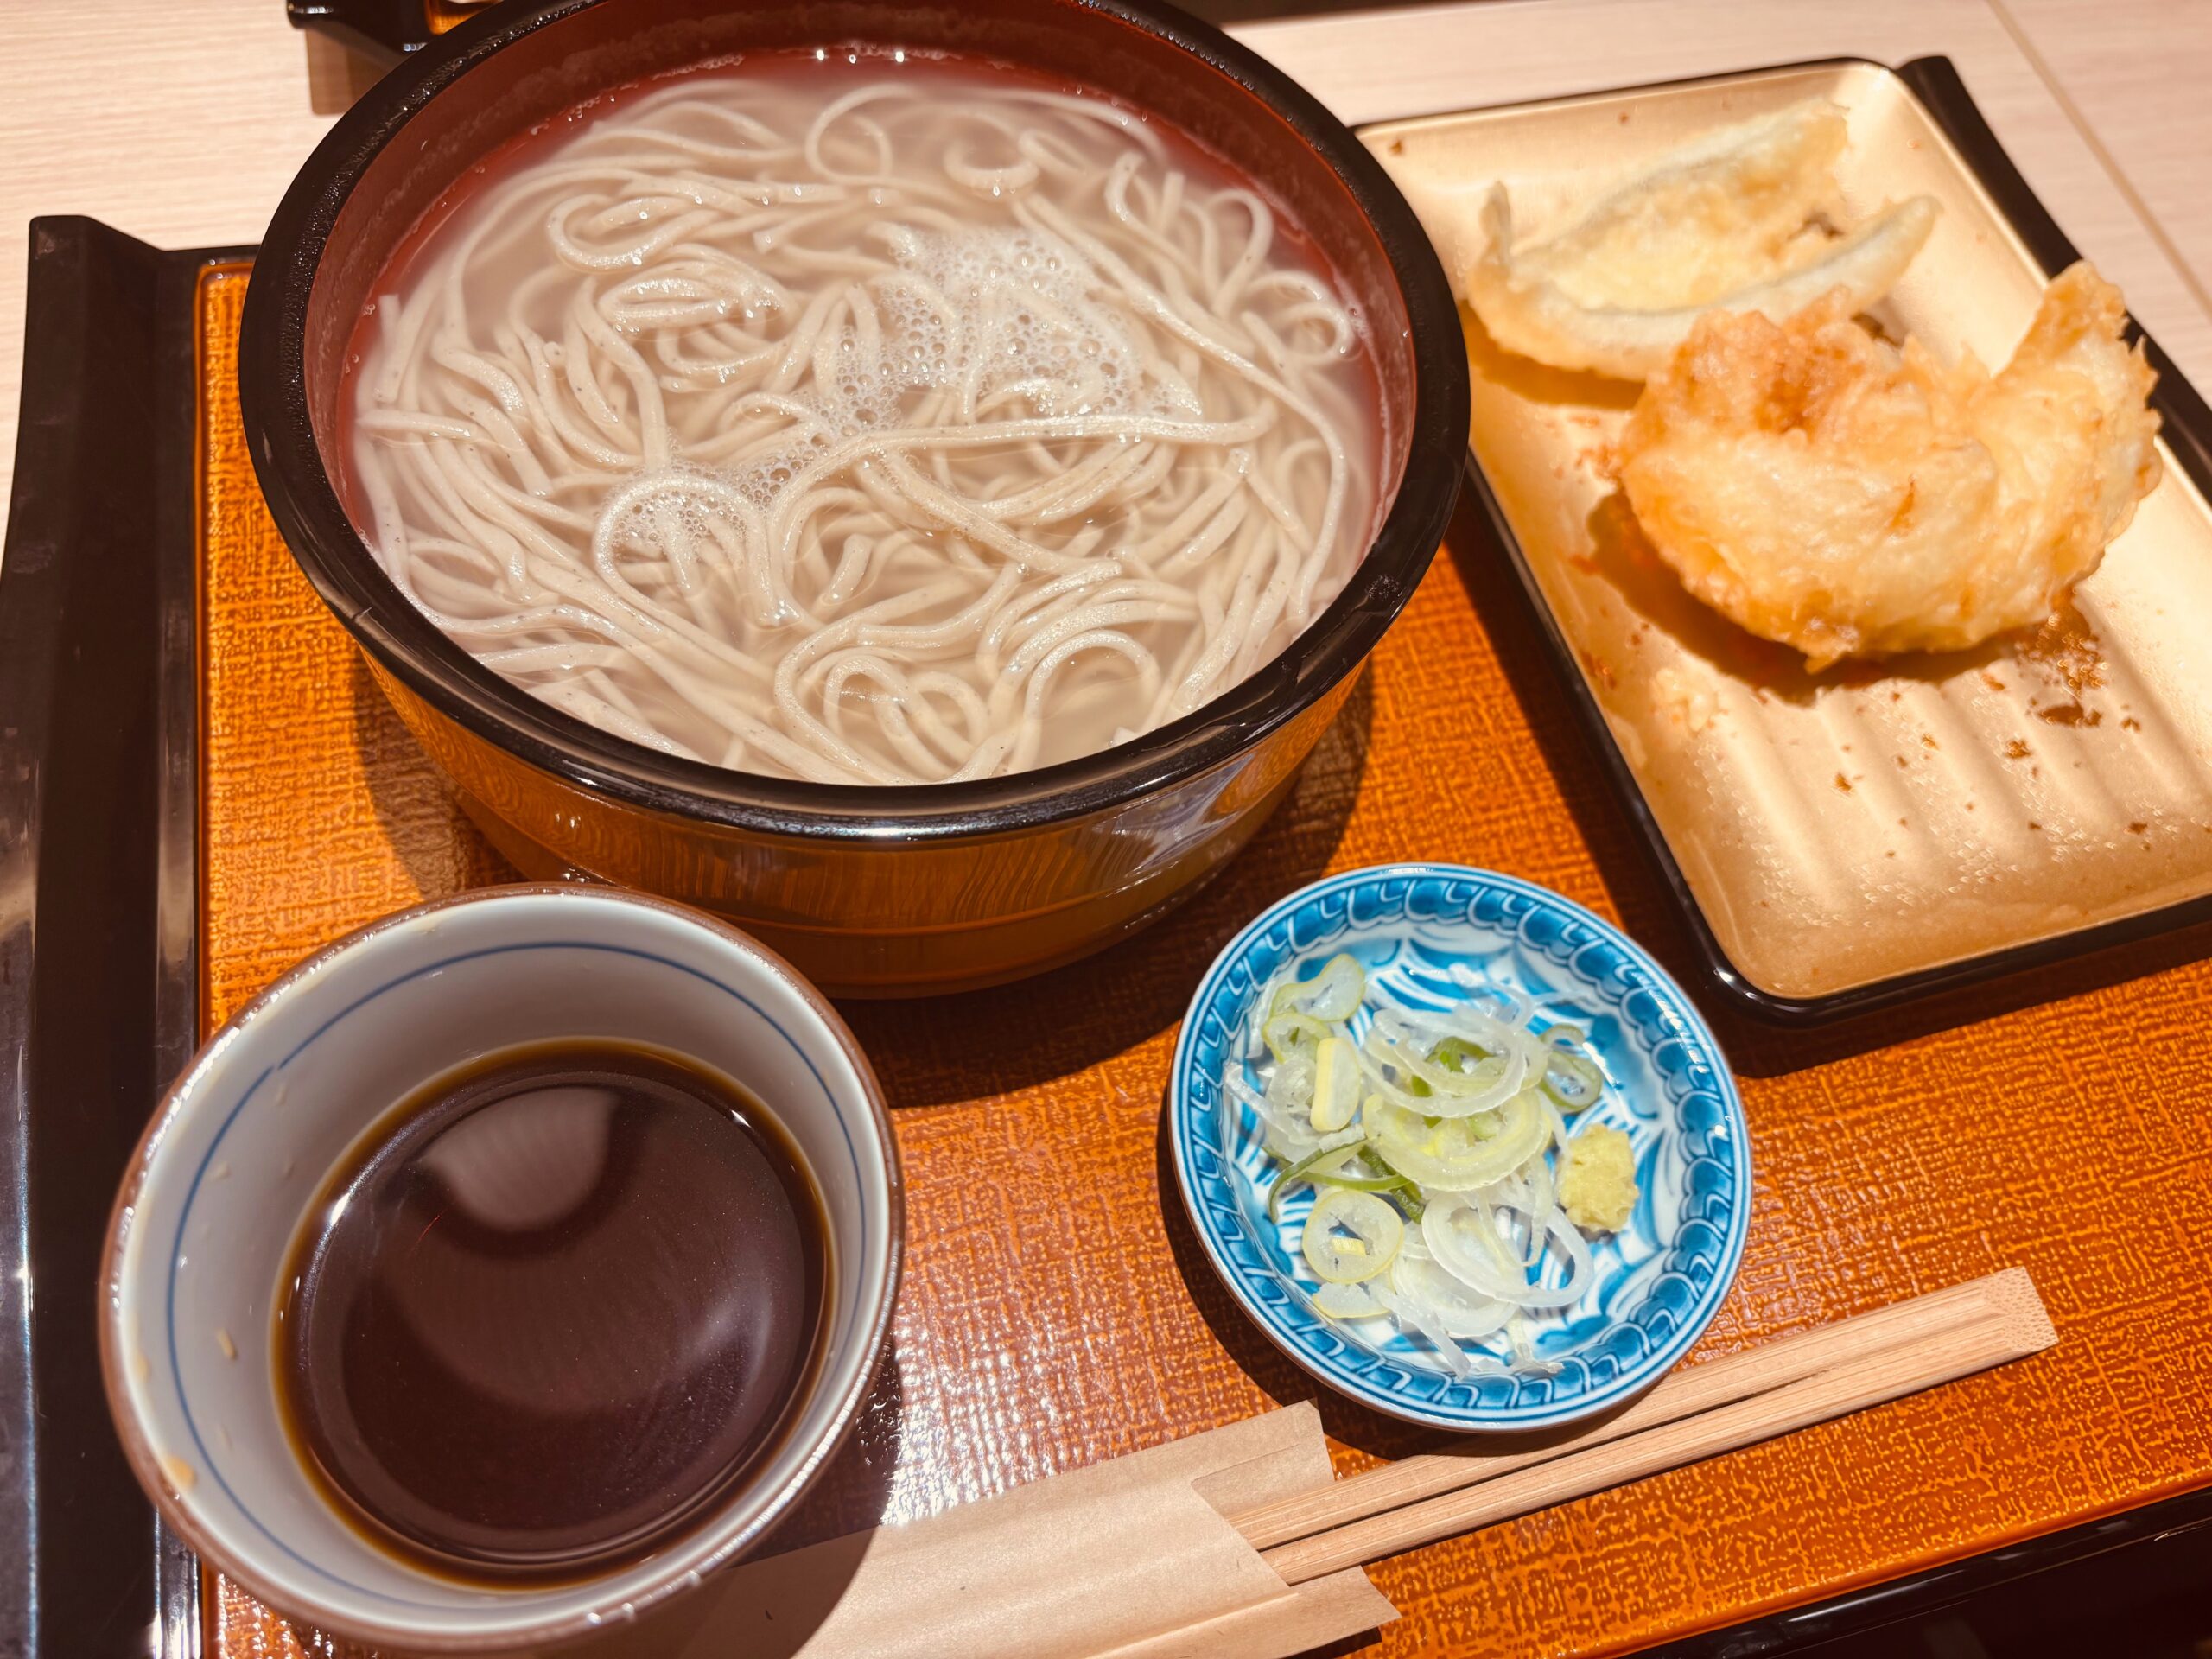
<point x="873" y="424"/>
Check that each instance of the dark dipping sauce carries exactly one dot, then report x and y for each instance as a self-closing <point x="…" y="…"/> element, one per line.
<point x="555" y="1307"/>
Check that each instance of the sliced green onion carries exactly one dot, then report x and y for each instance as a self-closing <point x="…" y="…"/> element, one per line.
<point x="1407" y="1195"/>
<point x="1450" y="1154"/>
<point x="1572" y="1080"/>
<point x="1332" y="995"/>
<point x="1439" y="1122"/>
<point x="1336" y="1085"/>
<point x="1397" y="1050"/>
<point x="1458" y="1054"/>
<point x="1290" y="1033"/>
<point x="1347" y="1302"/>
<point x="1350" y="1236"/>
<point x="1302" y="1174"/>
<point x="1361" y="1183"/>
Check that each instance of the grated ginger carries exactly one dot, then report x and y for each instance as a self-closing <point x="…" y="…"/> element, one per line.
<point x="1598" y="1187"/>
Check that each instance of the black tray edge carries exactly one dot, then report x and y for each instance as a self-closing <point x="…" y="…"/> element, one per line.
<point x="2180" y="1526"/>
<point x="79" y="492"/>
<point x="98" y="904"/>
<point x="2188" y="431"/>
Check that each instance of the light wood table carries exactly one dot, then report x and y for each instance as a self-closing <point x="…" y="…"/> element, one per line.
<point x="183" y="123"/>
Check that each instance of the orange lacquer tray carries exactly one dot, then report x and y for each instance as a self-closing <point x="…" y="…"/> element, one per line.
<point x="1056" y="1309"/>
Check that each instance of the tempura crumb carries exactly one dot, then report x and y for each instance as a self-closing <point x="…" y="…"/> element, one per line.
<point x="1598" y="1187"/>
<point x="1686" y="701"/>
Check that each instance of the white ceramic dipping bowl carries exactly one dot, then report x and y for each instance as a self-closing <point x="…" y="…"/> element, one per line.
<point x="222" y="1181"/>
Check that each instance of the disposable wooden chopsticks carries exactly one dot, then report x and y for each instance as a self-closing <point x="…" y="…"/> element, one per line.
<point x="1690" y="1414"/>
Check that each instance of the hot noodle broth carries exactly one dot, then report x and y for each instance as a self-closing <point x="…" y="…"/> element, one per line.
<point x="864" y="419"/>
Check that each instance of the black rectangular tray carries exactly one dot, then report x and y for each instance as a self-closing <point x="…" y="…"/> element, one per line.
<point x="100" y="994"/>
<point x="2187" y="432"/>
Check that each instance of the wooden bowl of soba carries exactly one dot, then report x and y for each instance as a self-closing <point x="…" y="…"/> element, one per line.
<point x="917" y="480"/>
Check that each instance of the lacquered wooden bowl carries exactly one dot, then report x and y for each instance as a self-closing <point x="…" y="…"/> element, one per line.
<point x="869" y="890"/>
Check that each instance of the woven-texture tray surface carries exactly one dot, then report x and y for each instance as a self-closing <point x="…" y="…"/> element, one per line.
<point x="1056" y="1309"/>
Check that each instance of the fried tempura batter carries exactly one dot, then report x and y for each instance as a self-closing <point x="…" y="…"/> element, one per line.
<point x="1828" y="491"/>
<point x="1742" y="220"/>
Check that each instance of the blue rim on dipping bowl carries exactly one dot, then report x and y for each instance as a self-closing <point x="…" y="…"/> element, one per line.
<point x="1659" y="1279"/>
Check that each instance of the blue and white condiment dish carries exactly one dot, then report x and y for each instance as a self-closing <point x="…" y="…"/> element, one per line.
<point x="1421" y="931"/>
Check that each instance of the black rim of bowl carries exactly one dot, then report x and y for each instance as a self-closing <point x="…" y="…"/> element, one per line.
<point x="281" y="437"/>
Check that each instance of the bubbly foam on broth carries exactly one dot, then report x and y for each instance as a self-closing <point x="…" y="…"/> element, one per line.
<point x="887" y="420"/>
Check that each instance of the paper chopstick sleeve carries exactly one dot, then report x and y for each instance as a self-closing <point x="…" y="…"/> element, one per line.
<point x="1131" y="1558"/>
